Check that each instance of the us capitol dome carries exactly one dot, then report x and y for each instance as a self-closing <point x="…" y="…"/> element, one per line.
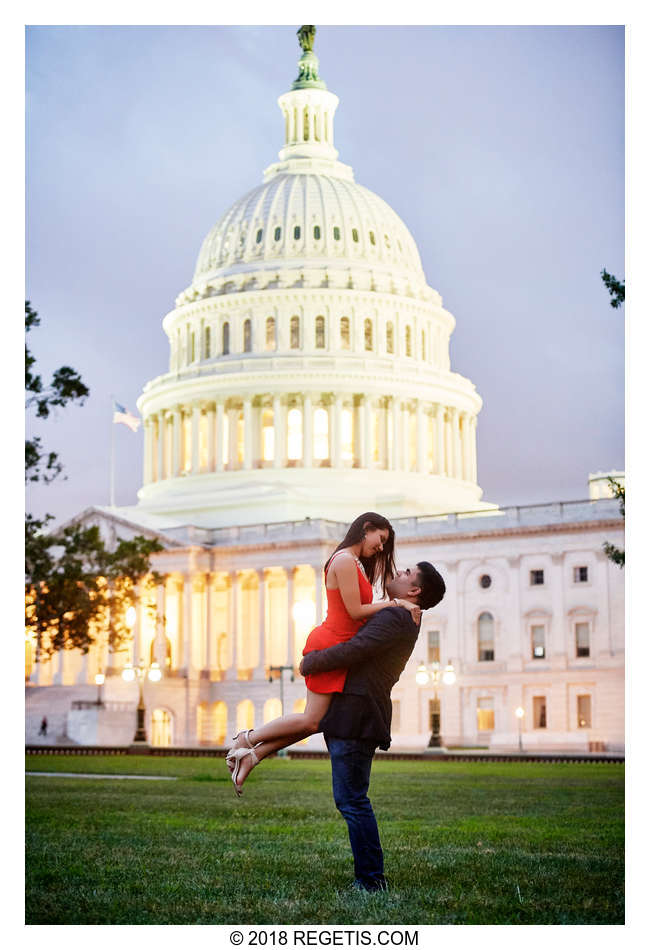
<point x="309" y="371"/>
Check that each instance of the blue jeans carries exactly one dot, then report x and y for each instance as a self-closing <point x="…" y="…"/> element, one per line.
<point x="351" y="762"/>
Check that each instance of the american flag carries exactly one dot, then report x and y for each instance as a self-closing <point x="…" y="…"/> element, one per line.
<point x="122" y="414"/>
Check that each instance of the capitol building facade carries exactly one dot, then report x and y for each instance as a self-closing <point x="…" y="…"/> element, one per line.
<point x="309" y="380"/>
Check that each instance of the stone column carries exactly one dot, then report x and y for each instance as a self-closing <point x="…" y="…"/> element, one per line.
<point x="335" y="437"/>
<point x="307" y="432"/>
<point x="291" y="638"/>
<point x="473" y="475"/>
<point x="449" y="458"/>
<point x="233" y="605"/>
<point x="248" y="433"/>
<point x="187" y="622"/>
<point x="259" y="672"/>
<point x="455" y="437"/>
<point x="382" y="434"/>
<point x="211" y="440"/>
<point x="148" y="450"/>
<point x="218" y="436"/>
<point x="318" y="577"/>
<point x="160" y="646"/>
<point x="395" y="410"/>
<point x="420" y="436"/>
<point x="160" y="472"/>
<point x="365" y="431"/>
<point x="176" y="442"/>
<point x="406" y="437"/>
<point x="464" y="446"/>
<point x="233" y="458"/>
<point x="439" y="459"/>
<point x="196" y="426"/>
<point x="209" y="626"/>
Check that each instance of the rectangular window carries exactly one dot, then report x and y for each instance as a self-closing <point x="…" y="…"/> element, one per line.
<point x="395" y="719"/>
<point x="584" y="712"/>
<point x="536" y="577"/>
<point x="580" y="575"/>
<point x="433" y="646"/>
<point x="485" y="714"/>
<point x="539" y="712"/>
<point x="582" y="639"/>
<point x="538" y="641"/>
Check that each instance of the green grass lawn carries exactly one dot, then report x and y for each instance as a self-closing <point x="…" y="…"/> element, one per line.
<point x="464" y="843"/>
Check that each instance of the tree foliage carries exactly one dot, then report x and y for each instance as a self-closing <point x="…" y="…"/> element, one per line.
<point x="615" y="287"/>
<point x="78" y="590"/>
<point x="617" y="555"/>
<point x="66" y="386"/>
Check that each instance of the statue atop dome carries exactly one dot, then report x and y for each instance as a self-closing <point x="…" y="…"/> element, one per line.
<point x="306" y="36"/>
<point x="308" y="77"/>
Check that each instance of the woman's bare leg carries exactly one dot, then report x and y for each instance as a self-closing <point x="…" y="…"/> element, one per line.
<point x="297" y="724"/>
<point x="315" y="708"/>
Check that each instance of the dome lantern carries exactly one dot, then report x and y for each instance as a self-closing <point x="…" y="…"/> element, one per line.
<point x="308" y="111"/>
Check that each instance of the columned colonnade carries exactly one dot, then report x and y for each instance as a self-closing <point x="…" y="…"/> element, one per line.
<point x="232" y="624"/>
<point x="310" y="430"/>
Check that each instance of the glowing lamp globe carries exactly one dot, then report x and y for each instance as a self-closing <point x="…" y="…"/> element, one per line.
<point x="128" y="674"/>
<point x="155" y="673"/>
<point x="449" y="676"/>
<point x="421" y="675"/>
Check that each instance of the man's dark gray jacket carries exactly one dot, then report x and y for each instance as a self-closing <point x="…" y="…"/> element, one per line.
<point x="375" y="658"/>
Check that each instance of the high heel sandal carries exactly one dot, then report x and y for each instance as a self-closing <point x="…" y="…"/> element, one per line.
<point x="230" y="755"/>
<point x="237" y="756"/>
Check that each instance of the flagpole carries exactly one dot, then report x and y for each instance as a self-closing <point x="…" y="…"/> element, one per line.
<point x="112" y="475"/>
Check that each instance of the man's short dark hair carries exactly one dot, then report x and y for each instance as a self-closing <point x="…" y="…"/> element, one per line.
<point x="432" y="587"/>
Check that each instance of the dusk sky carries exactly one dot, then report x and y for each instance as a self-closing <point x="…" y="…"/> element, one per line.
<point x="501" y="148"/>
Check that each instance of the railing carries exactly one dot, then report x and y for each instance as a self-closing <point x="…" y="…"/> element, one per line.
<point x="496" y="519"/>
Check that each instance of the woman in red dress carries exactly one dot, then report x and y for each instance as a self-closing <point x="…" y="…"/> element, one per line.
<point x="363" y="558"/>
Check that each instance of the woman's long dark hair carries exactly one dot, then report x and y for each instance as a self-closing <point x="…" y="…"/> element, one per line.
<point x="381" y="566"/>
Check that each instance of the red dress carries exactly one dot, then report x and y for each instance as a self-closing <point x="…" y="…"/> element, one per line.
<point x="337" y="627"/>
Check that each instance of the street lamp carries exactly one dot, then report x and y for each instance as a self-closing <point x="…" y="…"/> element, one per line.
<point x="141" y="672"/>
<point x="435" y="675"/>
<point x="99" y="680"/>
<point x="280" y="670"/>
<point x="519" y="713"/>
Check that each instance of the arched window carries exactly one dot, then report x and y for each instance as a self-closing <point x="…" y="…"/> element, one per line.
<point x="294" y="333"/>
<point x="320" y="333"/>
<point x="248" y="336"/>
<point x="245" y="715"/>
<point x="371" y="235"/>
<point x="161" y="727"/>
<point x="294" y="434"/>
<point x="409" y="341"/>
<point x="258" y="236"/>
<point x="277" y="234"/>
<point x="367" y="333"/>
<point x="316" y="232"/>
<point x="486" y="636"/>
<point x="186" y="434"/>
<point x="206" y="343"/>
<point x="192" y="348"/>
<point x="321" y="434"/>
<point x="225" y="339"/>
<point x="355" y="235"/>
<point x="345" y="333"/>
<point x="296" y="233"/>
<point x="305" y="130"/>
<point x="390" y="338"/>
<point x="424" y="345"/>
<point x="270" y="333"/>
<point x="219" y="722"/>
<point x="337" y="234"/>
